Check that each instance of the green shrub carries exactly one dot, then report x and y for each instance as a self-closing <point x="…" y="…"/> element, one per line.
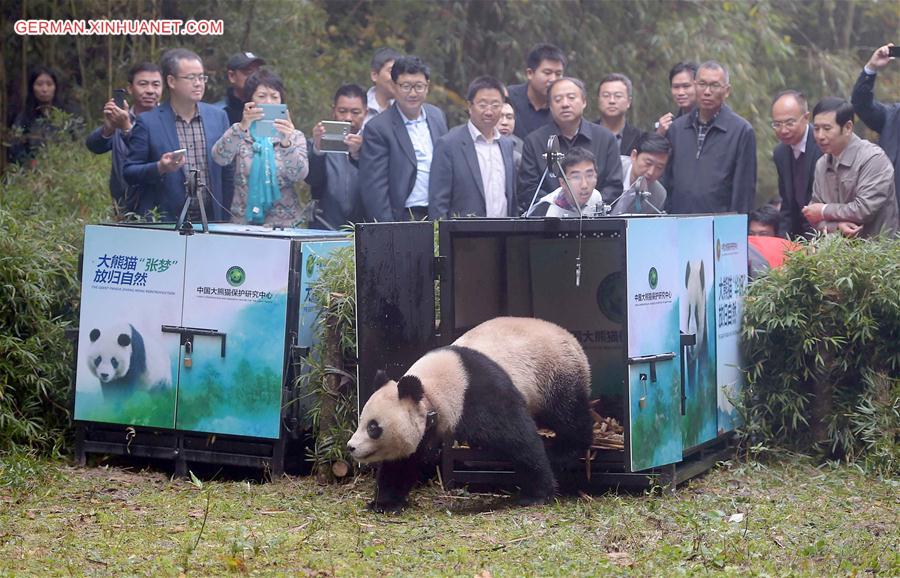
<point x="43" y="211"/>
<point x="821" y="336"/>
<point x="333" y="409"/>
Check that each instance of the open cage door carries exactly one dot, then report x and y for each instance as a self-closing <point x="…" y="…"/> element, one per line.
<point x="394" y="298"/>
<point x="653" y="407"/>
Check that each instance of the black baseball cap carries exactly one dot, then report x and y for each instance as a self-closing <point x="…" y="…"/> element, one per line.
<point x="243" y="60"/>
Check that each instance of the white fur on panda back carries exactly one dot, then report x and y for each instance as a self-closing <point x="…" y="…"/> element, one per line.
<point x="532" y="351"/>
<point x="445" y="381"/>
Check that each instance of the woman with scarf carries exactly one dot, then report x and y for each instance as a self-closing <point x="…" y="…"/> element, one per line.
<point x="265" y="168"/>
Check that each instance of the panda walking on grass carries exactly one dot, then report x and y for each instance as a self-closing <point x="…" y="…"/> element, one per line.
<point x="493" y="387"/>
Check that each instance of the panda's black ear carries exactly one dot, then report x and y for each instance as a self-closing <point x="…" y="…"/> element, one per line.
<point x="409" y="386"/>
<point x="95" y="335"/>
<point x="124" y="340"/>
<point x="381" y="378"/>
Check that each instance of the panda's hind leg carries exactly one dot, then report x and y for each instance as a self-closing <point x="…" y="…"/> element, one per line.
<point x="566" y="411"/>
<point x="512" y="434"/>
<point x="503" y="425"/>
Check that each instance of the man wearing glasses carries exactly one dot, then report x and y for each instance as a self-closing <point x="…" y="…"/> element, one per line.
<point x="473" y="173"/>
<point x="398" y="145"/>
<point x="712" y="168"/>
<point x="182" y="122"/>
<point x="795" y="160"/>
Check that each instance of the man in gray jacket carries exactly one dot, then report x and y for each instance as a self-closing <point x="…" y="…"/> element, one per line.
<point x="713" y="164"/>
<point x="853" y="189"/>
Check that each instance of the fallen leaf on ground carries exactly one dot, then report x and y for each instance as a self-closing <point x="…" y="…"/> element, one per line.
<point x="620" y="558"/>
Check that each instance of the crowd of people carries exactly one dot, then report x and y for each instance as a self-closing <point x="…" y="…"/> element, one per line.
<point x="526" y="149"/>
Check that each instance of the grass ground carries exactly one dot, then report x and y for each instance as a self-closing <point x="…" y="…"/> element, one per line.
<point x="780" y="519"/>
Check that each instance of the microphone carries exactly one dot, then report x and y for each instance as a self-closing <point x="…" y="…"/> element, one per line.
<point x="553" y="154"/>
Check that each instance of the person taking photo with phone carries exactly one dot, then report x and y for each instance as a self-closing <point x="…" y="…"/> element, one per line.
<point x="163" y="175"/>
<point x="333" y="176"/>
<point x="880" y="117"/>
<point x="145" y="89"/>
<point x="266" y="168"/>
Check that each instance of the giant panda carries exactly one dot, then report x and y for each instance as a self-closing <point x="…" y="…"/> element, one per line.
<point x="493" y="387"/>
<point x="124" y="361"/>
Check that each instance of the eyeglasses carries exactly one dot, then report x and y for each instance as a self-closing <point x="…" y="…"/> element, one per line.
<point x="788" y="124"/>
<point x="484" y="105"/>
<point x="418" y="87"/>
<point x="192" y="78"/>
<point x="713" y="86"/>
<point x="582" y="178"/>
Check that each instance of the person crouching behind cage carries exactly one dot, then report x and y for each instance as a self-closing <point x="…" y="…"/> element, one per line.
<point x="580" y="168"/>
<point x="266" y="168"/>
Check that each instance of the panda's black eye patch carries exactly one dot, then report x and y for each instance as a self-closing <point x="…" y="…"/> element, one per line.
<point x="97" y="360"/>
<point x="374" y="430"/>
<point x="114" y="362"/>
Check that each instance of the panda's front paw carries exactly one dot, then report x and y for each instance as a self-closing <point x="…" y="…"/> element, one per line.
<point x="385" y="507"/>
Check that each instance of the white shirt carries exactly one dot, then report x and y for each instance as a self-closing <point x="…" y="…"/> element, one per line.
<point x="373" y="109"/>
<point x="493" y="172"/>
<point x="800" y="147"/>
<point x="422" y="145"/>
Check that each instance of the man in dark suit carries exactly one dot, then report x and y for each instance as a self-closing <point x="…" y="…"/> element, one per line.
<point x="878" y="116"/>
<point x="613" y="100"/>
<point x="473" y="172"/>
<point x="795" y="160"/>
<point x="183" y="122"/>
<point x="568" y="99"/>
<point x="398" y="145"/>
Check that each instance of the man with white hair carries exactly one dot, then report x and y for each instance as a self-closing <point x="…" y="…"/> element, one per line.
<point x="712" y="168"/>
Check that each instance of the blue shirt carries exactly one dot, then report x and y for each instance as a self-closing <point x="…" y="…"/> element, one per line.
<point x="421" y="141"/>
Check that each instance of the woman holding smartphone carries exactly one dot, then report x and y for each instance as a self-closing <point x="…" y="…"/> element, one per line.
<point x="266" y="168"/>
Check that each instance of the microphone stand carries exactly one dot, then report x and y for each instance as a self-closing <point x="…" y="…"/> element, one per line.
<point x="640" y="196"/>
<point x="557" y="158"/>
<point x="193" y="192"/>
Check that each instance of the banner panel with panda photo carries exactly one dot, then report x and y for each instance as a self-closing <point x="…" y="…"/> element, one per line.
<point x="698" y="318"/>
<point x="653" y="278"/>
<point x="132" y="283"/>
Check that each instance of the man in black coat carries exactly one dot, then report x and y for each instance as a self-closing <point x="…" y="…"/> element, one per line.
<point x="568" y="100"/>
<point x="712" y="168"/>
<point x="880" y="117"/>
<point x="614" y="99"/>
<point x="795" y="160"/>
